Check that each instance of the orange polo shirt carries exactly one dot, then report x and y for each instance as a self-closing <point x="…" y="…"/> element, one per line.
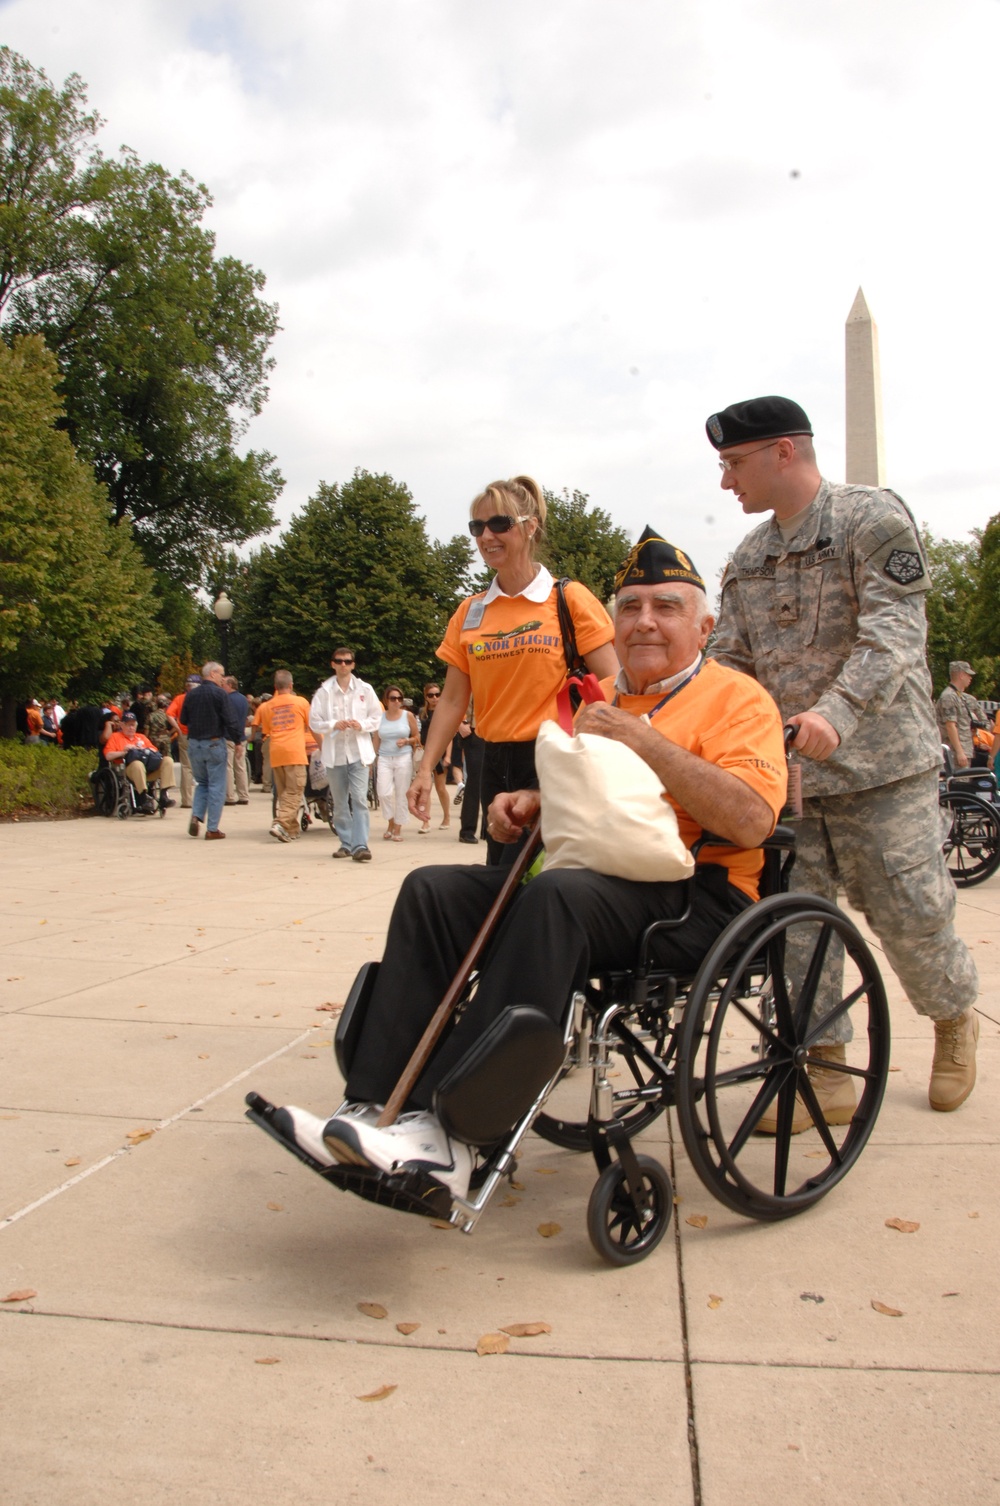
<point x="515" y="657"/>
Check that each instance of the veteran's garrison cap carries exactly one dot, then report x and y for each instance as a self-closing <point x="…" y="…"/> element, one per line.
<point x="652" y="561"/>
<point x="757" y="418"/>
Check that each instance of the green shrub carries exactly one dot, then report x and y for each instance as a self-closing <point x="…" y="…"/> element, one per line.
<point x="50" y="780"/>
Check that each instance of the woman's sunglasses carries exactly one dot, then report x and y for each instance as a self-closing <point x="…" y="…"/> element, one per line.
<point x="501" y="523"/>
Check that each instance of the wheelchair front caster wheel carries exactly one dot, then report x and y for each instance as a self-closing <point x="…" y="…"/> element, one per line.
<point x="624" y="1229"/>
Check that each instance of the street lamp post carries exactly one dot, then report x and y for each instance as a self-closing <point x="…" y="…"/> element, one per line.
<point x="223" y="609"/>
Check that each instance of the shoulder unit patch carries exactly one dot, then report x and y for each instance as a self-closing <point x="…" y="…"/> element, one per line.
<point x="904" y="566"/>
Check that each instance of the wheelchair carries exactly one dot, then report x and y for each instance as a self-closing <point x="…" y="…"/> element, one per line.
<point x="970" y="807"/>
<point x="115" y="794"/>
<point x="722" y="1047"/>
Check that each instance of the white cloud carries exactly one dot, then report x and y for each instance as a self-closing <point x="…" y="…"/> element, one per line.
<point x="553" y="239"/>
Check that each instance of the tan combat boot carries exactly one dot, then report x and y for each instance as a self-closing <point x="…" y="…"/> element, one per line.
<point x="953" y="1074"/>
<point x="834" y="1092"/>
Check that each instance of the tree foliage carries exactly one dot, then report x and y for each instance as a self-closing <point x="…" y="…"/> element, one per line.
<point x="162" y="346"/>
<point x="583" y="543"/>
<point x="963" y="617"/>
<point x="72" y="591"/>
<point x="354" y="567"/>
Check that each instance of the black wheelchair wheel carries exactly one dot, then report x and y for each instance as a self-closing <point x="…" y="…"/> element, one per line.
<point x="747" y="1039"/>
<point x="972" y="843"/>
<point x="621" y="1232"/>
<point x="566" y="1117"/>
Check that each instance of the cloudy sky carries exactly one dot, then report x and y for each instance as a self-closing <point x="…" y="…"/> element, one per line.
<point x="554" y="235"/>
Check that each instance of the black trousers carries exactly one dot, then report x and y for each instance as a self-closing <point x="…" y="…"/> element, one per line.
<point x="472" y="755"/>
<point x="562" y="928"/>
<point x="506" y="767"/>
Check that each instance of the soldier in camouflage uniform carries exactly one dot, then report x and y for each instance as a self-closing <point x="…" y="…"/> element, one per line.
<point x="957" y="712"/>
<point x="158" y="728"/>
<point x="824" y="605"/>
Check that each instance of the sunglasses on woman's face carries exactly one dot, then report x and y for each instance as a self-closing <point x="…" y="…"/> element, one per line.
<point x="501" y="523"/>
<point x="394" y="697"/>
<point x="432" y="695"/>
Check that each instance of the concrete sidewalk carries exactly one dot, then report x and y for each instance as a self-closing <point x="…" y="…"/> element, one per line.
<point x="195" y="1333"/>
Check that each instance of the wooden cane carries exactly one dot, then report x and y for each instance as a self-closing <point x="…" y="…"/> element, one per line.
<point x="446" y="1008"/>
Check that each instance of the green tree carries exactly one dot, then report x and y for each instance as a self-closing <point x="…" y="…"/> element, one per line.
<point x="354" y="567"/>
<point x="162" y="346"/>
<point x="582" y="542"/>
<point x="72" y="591"/>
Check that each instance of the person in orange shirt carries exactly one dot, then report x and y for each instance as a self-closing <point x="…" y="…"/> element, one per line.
<point x="143" y="763"/>
<point x="713" y="739"/>
<point x="284" y="720"/>
<point x="506" y="648"/>
<point x="174" y="712"/>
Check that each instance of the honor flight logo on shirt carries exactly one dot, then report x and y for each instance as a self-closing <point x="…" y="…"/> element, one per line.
<point x="511" y="640"/>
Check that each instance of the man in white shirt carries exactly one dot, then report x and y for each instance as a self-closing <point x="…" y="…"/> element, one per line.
<point x="345" y="712"/>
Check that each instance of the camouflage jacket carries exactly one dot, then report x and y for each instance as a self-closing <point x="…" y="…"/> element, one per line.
<point x="158" y="730"/>
<point x="965" y="711"/>
<point x="833" y="622"/>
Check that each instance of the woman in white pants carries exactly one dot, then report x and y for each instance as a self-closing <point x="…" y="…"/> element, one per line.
<point x="397" y="736"/>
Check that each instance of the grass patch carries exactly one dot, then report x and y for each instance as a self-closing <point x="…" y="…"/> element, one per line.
<point x="50" y="781"/>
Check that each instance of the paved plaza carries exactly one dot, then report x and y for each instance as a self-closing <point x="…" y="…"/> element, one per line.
<point x="194" y="1331"/>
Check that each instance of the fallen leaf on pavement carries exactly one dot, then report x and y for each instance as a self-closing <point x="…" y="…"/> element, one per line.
<point x="373" y="1310"/>
<point x="493" y="1343"/>
<point x="136" y="1137"/>
<point x="545" y="1171"/>
<point x="547" y="1231"/>
<point x="887" y="1312"/>
<point x="407" y="1328"/>
<point x="509" y="1202"/>
<point x="697" y="1220"/>
<point x="73" y="1161"/>
<point x="23" y="1296"/>
<point x="526" y="1330"/>
<point x="904" y="1225"/>
<point x="329" y="1007"/>
<point x="517" y="1186"/>
<point x="441" y="1223"/>
<point x="713" y="1300"/>
<point x="973" y="1215"/>
<point x="268" y="1359"/>
<point x="276" y="1207"/>
<point x="379" y="1395"/>
<point x="203" y="1056"/>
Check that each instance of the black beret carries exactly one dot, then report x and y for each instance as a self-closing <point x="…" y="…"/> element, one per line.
<point x="651" y="561"/>
<point x="757" y="418"/>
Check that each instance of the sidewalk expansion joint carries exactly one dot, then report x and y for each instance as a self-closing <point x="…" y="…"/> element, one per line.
<point x="692" y="1430"/>
<point x="164" y="1124"/>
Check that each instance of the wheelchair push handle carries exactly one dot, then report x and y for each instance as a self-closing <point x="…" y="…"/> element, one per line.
<point x="439" y="1019"/>
<point x="793" y="801"/>
<point x="585" y="688"/>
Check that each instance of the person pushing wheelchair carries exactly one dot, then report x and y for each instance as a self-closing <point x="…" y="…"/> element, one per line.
<point x="714" y="739"/>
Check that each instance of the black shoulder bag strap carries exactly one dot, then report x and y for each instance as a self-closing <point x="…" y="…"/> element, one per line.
<point x="574" y="661"/>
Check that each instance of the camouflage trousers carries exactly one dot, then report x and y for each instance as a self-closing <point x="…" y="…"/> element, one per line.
<point x="884" y="847"/>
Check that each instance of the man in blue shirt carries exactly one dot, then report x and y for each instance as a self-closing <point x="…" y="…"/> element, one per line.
<point x="211" y="721"/>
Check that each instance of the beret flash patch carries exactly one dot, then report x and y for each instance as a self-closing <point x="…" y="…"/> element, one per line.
<point x="715" y="428"/>
<point x="904" y="566"/>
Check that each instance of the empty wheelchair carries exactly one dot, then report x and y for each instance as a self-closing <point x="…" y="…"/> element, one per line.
<point x="970" y="809"/>
<point x="726" y="1047"/>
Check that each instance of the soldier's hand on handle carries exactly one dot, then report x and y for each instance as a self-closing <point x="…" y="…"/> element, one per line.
<point x="814" y="737"/>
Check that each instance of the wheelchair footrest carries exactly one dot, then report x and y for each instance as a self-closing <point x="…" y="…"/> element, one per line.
<point x="408" y="1191"/>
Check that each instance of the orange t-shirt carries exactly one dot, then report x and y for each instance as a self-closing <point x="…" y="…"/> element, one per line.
<point x="729" y="720"/>
<point x="515" y="659"/>
<point x="119" y="743"/>
<point x="285" y="720"/>
<point x="174" y="710"/>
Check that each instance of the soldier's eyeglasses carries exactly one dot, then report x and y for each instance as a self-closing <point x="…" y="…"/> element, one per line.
<point x="343" y="661"/>
<point x="731" y="462"/>
<point x="501" y="523"/>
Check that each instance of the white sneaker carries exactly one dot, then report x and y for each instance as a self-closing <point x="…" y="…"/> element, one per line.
<point x="306" y="1130"/>
<point x="277" y="830"/>
<point x="417" y="1141"/>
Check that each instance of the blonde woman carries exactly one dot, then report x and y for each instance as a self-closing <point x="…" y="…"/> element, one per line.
<point x="505" y="647"/>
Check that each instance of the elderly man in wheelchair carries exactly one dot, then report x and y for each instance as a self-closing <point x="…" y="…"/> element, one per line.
<point x="141" y="762"/>
<point x="714" y="739"/>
